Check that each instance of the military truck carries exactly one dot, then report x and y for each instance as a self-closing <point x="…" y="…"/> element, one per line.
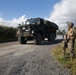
<point x="36" y="29"/>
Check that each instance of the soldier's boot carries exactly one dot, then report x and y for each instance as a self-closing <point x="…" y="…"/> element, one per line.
<point x="72" y="55"/>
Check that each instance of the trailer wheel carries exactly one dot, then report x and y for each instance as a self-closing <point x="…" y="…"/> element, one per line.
<point x="38" y="39"/>
<point x="22" y="40"/>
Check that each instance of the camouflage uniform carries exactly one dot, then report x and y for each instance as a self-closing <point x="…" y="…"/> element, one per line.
<point x="69" y="39"/>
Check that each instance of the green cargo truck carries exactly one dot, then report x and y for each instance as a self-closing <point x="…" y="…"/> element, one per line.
<point x="36" y="29"/>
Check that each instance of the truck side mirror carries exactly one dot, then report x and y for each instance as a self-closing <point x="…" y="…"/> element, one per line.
<point x="19" y="25"/>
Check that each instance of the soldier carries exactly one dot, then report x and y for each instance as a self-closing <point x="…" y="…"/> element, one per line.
<point x="69" y="39"/>
<point x="63" y="33"/>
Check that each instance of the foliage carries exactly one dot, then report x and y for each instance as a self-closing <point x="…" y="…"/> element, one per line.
<point x="59" y="32"/>
<point x="75" y="28"/>
<point x="7" y="33"/>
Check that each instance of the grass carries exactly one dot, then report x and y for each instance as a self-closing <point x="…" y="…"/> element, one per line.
<point x="66" y="60"/>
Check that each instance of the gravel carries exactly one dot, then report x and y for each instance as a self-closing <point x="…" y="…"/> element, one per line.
<point x="29" y="59"/>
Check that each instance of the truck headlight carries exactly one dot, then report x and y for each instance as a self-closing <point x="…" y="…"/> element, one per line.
<point x="32" y="32"/>
<point x="23" y="28"/>
<point x="27" y="30"/>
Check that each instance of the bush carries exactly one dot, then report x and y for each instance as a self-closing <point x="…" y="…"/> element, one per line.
<point x="7" y="33"/>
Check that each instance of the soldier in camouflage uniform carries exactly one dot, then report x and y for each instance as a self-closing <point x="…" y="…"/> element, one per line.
<point x="69" y="39"/>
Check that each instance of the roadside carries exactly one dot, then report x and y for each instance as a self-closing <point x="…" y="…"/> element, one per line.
<point x="66" y="61"/>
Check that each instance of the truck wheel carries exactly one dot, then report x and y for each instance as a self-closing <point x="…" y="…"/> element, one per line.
<point x="22" y="40"/>
<point x="53" y="37"/>
<point x="38" y="39"/>
<point x="49" y="38"/>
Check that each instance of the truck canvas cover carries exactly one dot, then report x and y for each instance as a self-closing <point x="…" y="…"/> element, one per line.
<point x="51" y="24"/>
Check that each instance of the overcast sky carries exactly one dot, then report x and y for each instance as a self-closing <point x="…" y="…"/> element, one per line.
<point x="17" y="11"/>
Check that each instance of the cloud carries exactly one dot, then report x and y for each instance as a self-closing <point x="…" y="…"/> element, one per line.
<point x="19" y="20"/>
<point x="63" y="12"/>
<point x="14" y="22"/>
<point x="1" y="19"/>
<point x="0" y="15"/>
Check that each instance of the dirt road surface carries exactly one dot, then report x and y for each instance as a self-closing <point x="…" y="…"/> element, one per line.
<point x="29" y="59"/>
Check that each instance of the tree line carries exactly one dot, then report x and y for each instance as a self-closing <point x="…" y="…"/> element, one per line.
<point x="7" y="33"/>
<point x="60" y="32"/>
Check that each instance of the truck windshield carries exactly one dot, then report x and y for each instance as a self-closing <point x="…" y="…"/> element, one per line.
<point x="32" y="21"/>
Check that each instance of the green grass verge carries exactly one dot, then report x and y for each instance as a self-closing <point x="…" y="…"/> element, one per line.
<point x="66" y="60"/>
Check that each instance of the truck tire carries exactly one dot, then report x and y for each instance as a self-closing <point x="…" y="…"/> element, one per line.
<point x="53" y="37"/>
<point x="38" y="39"/>
<point x="49" y="38"/>
<point x="22" y="40"/>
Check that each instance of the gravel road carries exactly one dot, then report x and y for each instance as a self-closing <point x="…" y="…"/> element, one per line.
<point x="29" y="59"/>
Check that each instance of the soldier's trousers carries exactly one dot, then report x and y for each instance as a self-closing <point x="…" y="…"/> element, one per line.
<point x="70" y="46"/>
<point x="64" y="45"/>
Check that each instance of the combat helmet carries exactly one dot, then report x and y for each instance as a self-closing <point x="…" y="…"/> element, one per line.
<point x="70" y="24"/>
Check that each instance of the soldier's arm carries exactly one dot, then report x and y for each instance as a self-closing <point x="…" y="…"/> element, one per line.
<point x="72" y="33"/>
<point x="65" y="36"/>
